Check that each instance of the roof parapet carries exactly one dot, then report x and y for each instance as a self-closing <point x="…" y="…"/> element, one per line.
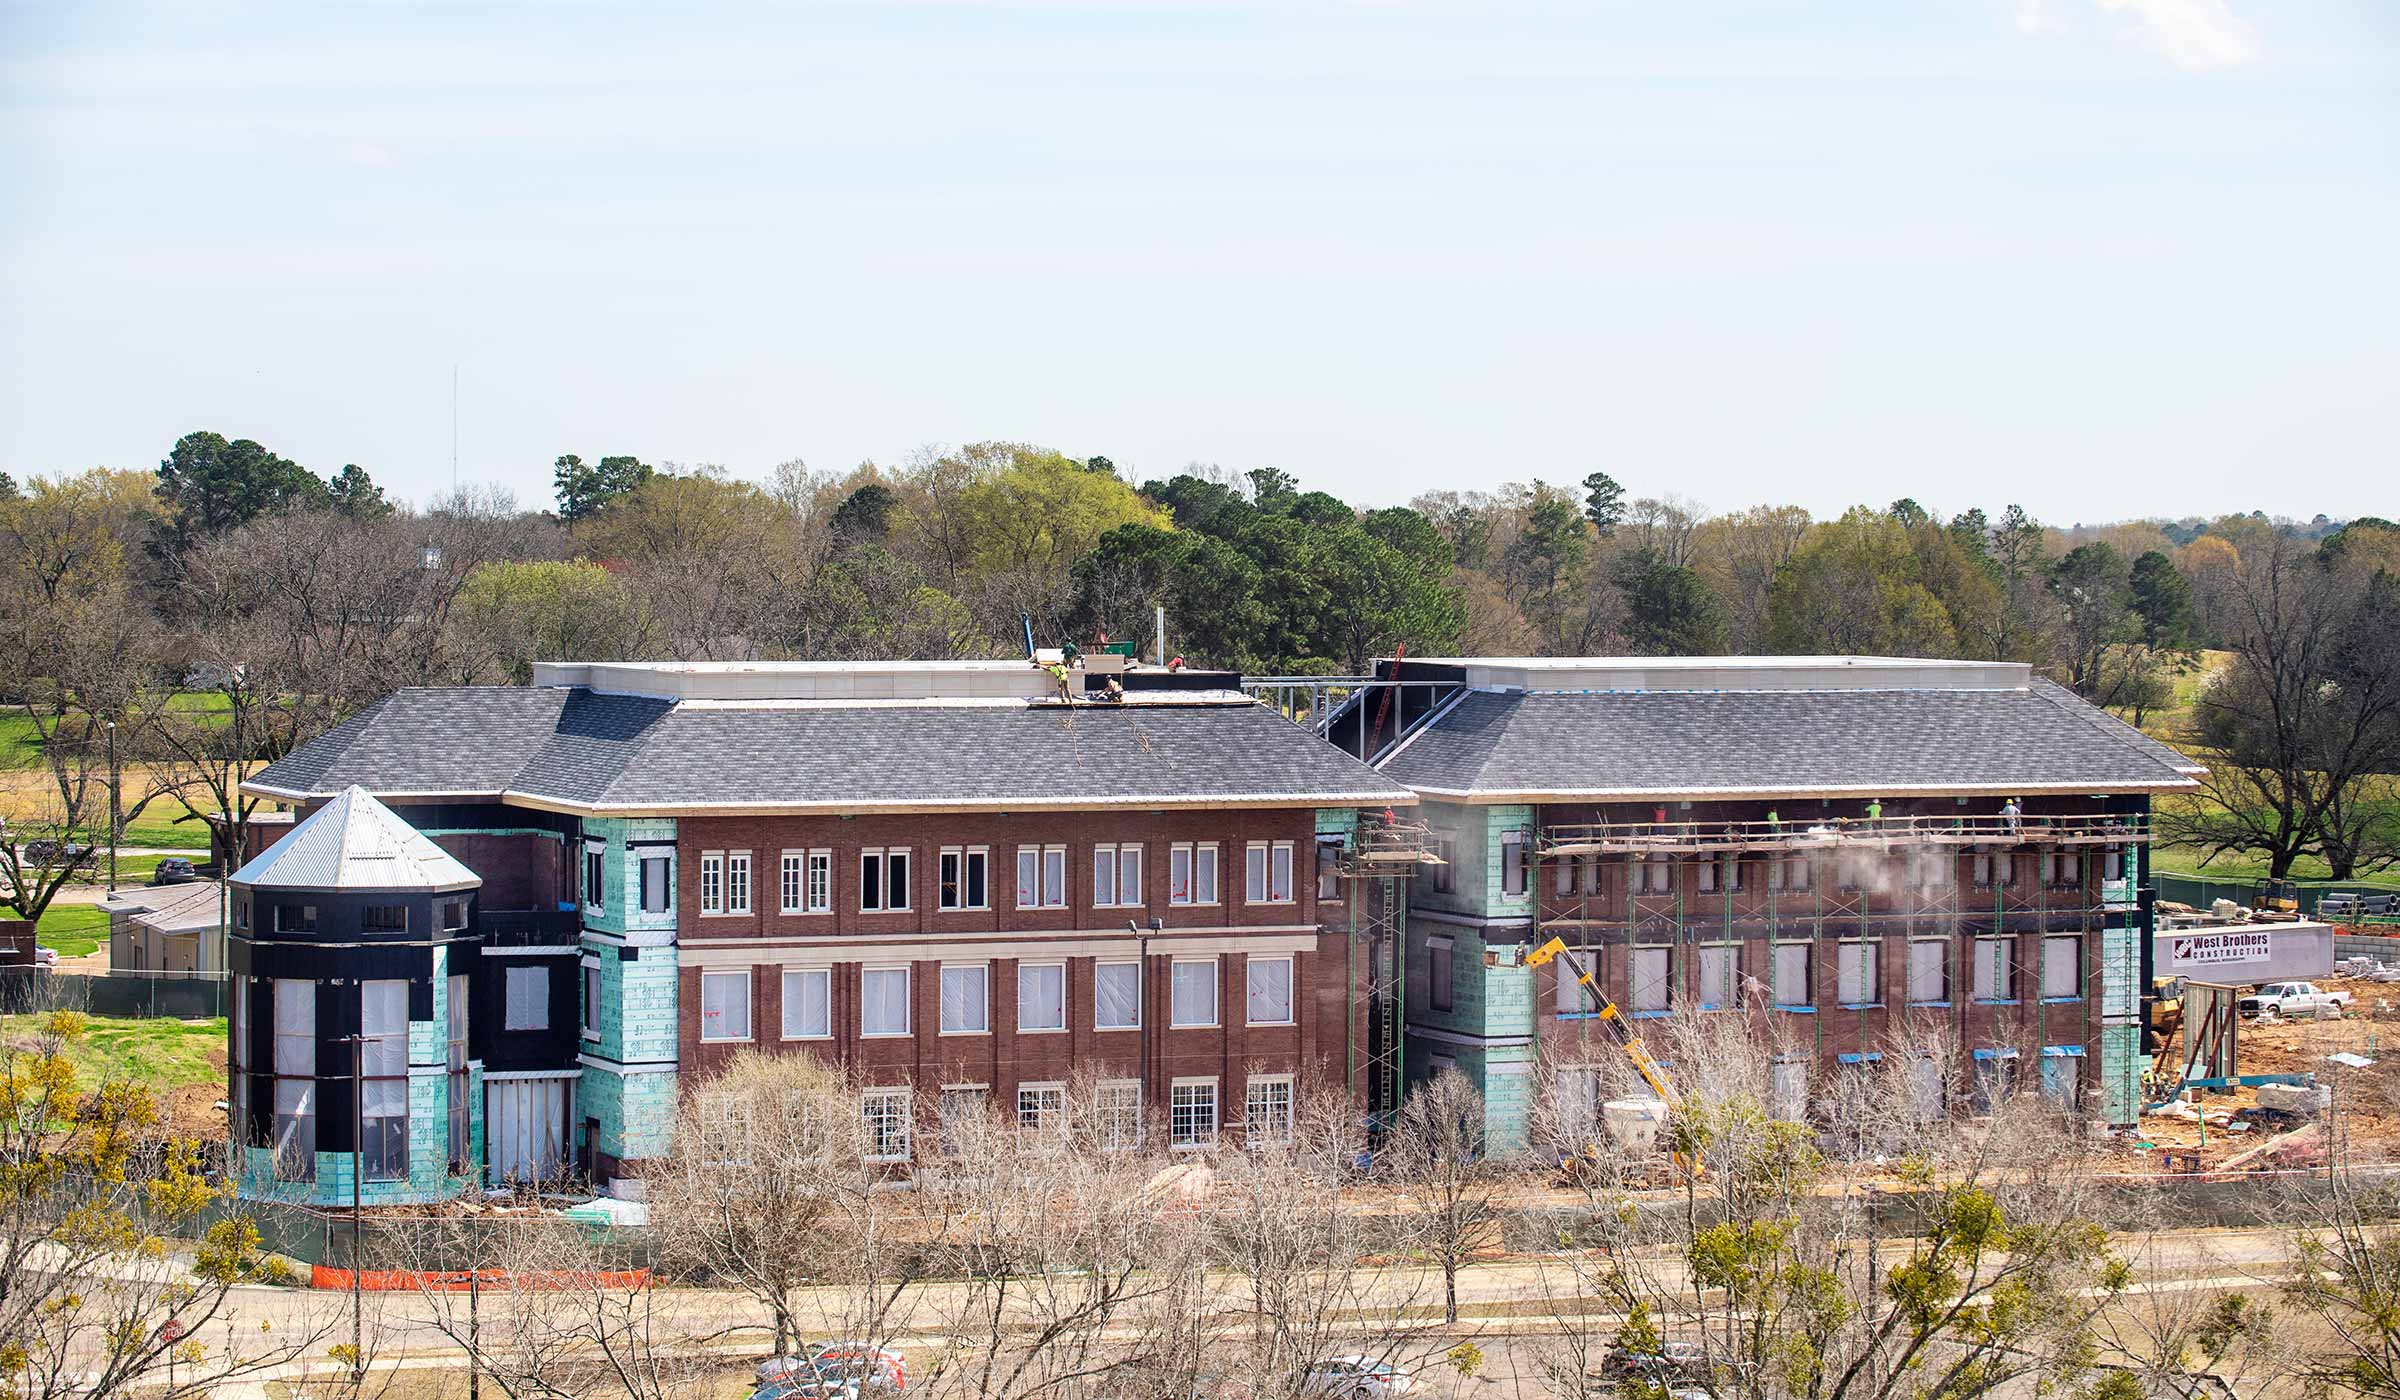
<point x="802" y="680"/>
<point x="1585" y="674"/>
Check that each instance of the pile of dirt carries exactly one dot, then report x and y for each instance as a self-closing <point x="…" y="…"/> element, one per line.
<point x="2365" y="1098"/>
<point x="196" y="1110"/>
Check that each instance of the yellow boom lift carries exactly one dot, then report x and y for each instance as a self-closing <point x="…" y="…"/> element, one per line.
<point x="1609" y="1016"/>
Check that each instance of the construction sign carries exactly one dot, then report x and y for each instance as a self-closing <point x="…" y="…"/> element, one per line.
<point x="2251" y="953"/>
<point x="2209" y="949"/>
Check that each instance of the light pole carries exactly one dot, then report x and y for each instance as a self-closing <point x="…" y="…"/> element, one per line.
<point x="358" y="1173"/>
<point x="1141" y="1009"/>
<point x="116" y="826"/>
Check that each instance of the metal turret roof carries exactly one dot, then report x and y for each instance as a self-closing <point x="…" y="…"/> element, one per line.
<point x="356" y="843"/>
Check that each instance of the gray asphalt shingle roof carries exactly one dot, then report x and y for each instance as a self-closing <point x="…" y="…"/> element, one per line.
<point x="636" y="753"/>
<point x="1599" y="746"/>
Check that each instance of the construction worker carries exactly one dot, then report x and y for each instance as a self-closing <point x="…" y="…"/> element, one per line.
<point x="1874" y="809"/>
<point x="2013" y="815"/>
<point x="1058" y="674"/>
<point x="1112" y="691"/>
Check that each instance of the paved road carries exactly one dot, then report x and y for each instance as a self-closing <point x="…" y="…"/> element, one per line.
<point x="1506" y="1302"/>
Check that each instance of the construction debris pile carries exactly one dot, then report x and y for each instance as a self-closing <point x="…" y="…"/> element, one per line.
<point x="2297" y="1066"/>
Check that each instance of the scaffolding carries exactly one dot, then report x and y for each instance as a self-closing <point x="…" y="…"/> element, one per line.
<point x="1889" y="881"/>
<point x="1383" y="858"/>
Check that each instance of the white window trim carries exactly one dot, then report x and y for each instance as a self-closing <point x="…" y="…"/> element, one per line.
<point x="908" y="1003"/>
<point x="963" y="853"/>
<point x="1291" y="1108"/>
<point x="1291" y="989"/>
<point x="1266" y="873"/>
<point x="642" y="856"/>
<point x="1216" y="976"/>
<point x="1138" y="992"/>
<point x="1041" y="863"/>
<point x="1216" y="1098"/>
<point x="1113" y="852"/>
<point x="712" y="906"/>
<point x="809" y="906"/>
<point x="784" y="1016"/>
<point x="749" y="1003"/>
<point x="942" y="975"/>
<point x="749" y="884"/>
<point x="1064" y="1019"/>
<point x="1045" y="1086"/>
<point x="908" y="1109"/>
<point x="595" y="892"/>
<point x="794" y="861"/>
<point x="882" y="855"/>
<point x="1105" y="1086"/>
<point x="1192" y="850"/>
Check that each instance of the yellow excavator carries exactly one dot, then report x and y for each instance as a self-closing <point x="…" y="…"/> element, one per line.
<point x="1644" y="1065"/>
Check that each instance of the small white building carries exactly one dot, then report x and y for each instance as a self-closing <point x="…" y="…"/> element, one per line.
<point x="166" y="930"/>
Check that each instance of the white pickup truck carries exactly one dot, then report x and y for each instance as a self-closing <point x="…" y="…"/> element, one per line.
<point x="2289" y="999"/>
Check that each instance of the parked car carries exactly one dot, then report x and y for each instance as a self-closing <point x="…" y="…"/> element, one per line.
<point x="2294" y="999"/>
<point x="832" y="1371"/>
<point x="1355" y="1378"/>
<point x="1673" y="1361"/>
<point x="174" y="870"/>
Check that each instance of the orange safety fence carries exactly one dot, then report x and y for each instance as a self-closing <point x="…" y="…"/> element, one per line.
<point x="460" y="1280"/>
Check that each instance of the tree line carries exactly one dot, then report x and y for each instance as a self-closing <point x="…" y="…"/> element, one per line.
<point x="274" y="601"/>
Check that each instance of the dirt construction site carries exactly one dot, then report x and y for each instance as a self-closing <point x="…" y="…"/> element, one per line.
<point x="2227" y="1130"/>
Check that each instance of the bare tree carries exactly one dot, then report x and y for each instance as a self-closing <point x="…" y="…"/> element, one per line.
<point x="2348" y="1271"/>
<point x="1306" y="1270"/>
<point x="544" y="1312"/>
<point x="1048" y="1246"/>
<point x="774" y="1195"/>
<point x="2305" y="720"/>
<point x="1450" y="1173"/>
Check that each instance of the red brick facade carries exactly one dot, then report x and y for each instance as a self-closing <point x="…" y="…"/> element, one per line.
<point x="1892" y="900"/>
<point x="1314" y="1047"/>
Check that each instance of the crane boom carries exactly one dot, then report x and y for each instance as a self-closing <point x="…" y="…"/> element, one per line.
<point x="1643" y="1063"/>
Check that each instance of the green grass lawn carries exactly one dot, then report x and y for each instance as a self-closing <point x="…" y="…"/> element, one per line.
<point x="160" y="1053"/>
<point x="165" y="831"/>
<point x="72" y="929"/>
<point x="2185" y="861"/>
<point x="20" y="747"/>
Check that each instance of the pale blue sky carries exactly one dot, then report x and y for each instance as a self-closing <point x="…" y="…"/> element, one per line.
<point x="2106" y="257"/>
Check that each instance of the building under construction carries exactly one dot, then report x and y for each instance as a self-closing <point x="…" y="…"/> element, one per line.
<point x="1858" y="853"/>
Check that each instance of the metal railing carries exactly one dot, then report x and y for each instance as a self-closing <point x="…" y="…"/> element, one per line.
<point x="1364" y="714"/>
<point x="1703" y="838"/>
